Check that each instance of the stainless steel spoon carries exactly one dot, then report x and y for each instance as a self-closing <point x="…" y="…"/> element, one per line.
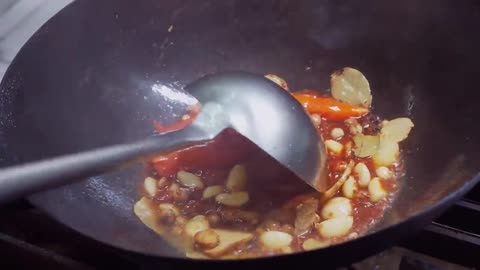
<point x="251" y="104"/>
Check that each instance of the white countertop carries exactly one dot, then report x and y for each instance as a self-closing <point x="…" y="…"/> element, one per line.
<point x="19" y="19"/>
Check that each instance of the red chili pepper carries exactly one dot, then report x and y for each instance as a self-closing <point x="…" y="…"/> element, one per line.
<point x="329" y="107"/>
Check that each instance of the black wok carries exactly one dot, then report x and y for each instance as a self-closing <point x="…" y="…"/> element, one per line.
<point x="87" y="79"/>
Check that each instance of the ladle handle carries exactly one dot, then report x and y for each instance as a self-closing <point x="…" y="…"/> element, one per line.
<point x="21" y="180"/>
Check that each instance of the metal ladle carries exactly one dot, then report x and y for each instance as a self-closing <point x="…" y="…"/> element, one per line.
<point x="252" y="105"/>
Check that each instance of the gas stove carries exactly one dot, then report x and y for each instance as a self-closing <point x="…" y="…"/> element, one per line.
<point x="29" y="238"/>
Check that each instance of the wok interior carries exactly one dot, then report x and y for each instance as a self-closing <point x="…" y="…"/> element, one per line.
<point x="101" y="72"/>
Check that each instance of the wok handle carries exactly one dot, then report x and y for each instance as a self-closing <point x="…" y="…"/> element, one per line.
<point x="21" y="180"/>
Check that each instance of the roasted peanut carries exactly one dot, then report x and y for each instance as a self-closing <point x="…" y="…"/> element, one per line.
<point x="384" y="172"/>
<point x="337" y="133"/>
<point x="237" y="178"/>
<point x="337" y="207"/>
<point x="212" y="191"/>
<point x="363" y="174"/>
<point x="233" y="199"/>
<point x="150" y="185"/>
<point x="334" y="146"/>
<point x="335" y="227"/>
<point x="275" y="239"/>
<point x="189" y="180"/>
<point x="349" y="187"/>
<point x="311" y="244"/>
<point x="206" y="239"/>
<point x="196" y="224"/>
